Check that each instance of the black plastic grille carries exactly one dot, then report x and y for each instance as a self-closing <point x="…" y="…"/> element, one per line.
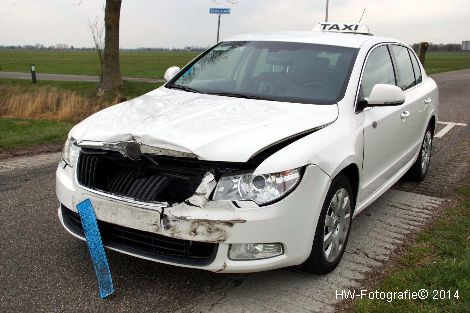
<point x="141" y="188"/>
<point x="146" y="244"/>
<point x="88" y="166"/>
<point x="145" y="180"/>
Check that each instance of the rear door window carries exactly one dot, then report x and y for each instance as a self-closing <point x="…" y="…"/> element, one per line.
<point x="406" y="76"/>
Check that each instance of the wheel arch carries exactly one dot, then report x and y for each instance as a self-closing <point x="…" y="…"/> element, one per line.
<point x="351" y="172"/>
<point x="432" y="123"/>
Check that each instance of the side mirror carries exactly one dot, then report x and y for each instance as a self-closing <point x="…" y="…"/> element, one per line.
<point x="386" y="95"/>
<point x="171" y="72"/>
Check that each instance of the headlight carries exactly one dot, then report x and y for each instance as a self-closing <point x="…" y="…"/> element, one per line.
<point x="261" y="189"/>
<point x="70" y="152"/>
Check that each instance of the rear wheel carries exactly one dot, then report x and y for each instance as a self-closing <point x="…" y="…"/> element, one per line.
<point x="419" y="170"/>
<point x="333" y="228"/>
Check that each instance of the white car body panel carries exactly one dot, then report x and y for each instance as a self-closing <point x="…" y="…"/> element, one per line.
<point x="336" y="39"/>
<point x="214" y="128"/>
<point x="219" y="128"/>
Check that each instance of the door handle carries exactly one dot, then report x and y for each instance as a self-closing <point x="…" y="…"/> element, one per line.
<point x="427" y="101"/>
<point x="405" y="115"/>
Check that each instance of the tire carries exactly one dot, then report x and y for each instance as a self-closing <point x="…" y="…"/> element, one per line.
<point x="324" y="257"/>
<point x="420" y="168"/>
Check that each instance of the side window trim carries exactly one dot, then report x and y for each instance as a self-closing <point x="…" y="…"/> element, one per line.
<point x="413" y="67"/>
<point x="420" y="74"/>
<point x="392" y="58"/>
<point x="395" y="64"/>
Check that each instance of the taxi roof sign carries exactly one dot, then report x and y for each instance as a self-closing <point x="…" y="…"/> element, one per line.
<point x="352" y="28"/>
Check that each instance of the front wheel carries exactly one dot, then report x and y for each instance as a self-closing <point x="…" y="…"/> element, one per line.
<point x="333" y="228"/>
<point x="419" y="170"/>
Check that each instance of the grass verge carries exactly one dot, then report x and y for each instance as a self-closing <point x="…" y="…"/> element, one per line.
<point x="15" y="133"/>
<point x="62" y="101"/>
<point x="34" y="115"/>
<point x="131" y="89"/>
<point x="439" y="259"/>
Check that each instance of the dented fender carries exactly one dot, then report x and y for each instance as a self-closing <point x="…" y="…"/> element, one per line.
<point x="196" y="225"/>
<point x="190" y="220"/>
<point x="196" y="219"/>
<point x="341" y="149"/>
<point x="211" y="223"/>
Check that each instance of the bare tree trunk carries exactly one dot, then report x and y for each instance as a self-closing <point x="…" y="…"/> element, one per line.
<point x="112" y="79"/>
<point x="423" y="47"/>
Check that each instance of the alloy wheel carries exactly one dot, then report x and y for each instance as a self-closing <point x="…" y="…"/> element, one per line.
<point x="426" y="151"/>
<point x="337" y="223"/>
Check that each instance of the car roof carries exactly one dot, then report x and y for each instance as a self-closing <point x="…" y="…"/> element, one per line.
<point x="323" y="38"/>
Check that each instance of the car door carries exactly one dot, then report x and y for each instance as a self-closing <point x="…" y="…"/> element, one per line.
<point x="413" y="113"/>
<point x="382" y="126"/>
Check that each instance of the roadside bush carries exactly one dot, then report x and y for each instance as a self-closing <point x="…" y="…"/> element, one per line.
<point x="48" y="102"/>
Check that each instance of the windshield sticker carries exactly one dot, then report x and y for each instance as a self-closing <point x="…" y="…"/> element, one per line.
<point x="188" y="72"/>
<point x="222" y="48"/>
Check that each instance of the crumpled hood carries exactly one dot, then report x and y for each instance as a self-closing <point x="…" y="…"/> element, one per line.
<point x="214" y="128"/>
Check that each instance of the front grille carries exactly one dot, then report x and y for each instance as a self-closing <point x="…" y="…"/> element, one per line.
<point x="150" y="179"/>
<point x="146" y="244"/>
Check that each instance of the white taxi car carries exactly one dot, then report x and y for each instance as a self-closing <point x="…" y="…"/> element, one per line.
<point x="257" y="154"/>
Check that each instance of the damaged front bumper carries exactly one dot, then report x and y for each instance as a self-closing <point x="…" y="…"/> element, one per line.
<point x="290" y="222"/>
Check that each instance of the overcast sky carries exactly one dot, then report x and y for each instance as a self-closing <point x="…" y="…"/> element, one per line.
<point x="178" y="23"/>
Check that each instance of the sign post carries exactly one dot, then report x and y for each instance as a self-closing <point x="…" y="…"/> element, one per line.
<point x="218" y="29"/>
<point x="326" y="13"/>
<point x="33" y="73"/>
<point x="219" y="12"/>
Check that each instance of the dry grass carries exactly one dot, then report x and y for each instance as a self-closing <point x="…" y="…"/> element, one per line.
<point x="48" y="103"/>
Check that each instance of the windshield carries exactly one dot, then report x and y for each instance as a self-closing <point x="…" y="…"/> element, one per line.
<point x="278" y="71"/>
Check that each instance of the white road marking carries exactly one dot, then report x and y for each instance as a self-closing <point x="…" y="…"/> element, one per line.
<point x="447" y="128"/>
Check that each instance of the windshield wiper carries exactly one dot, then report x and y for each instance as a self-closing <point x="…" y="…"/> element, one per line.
<point x="239" y="95"/>
<point x="185" y="88"/>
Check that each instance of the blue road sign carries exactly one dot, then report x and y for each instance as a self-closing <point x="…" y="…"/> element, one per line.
<point x="219" y="11"/>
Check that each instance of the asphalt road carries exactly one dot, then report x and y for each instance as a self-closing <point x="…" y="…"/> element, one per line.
<point x="45" y="269"/>
<point x="74" y="78"/>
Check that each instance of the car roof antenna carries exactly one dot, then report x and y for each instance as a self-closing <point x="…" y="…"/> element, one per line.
<point x="364" y="11"/>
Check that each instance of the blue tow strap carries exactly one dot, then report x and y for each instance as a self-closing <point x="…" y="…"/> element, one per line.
<point x="96" y="248"/>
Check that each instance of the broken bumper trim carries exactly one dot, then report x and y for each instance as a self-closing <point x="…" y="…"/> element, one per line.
<point x="145" y="244"/>
<point x="291" y="221"/>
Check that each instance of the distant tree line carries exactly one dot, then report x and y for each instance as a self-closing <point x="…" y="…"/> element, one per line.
<point x="432" y="48"/>
<point x="450" y="47"/>
<point x="72" y="48"/>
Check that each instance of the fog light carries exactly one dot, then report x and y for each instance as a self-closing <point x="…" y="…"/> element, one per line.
<point x="254" y="251"/>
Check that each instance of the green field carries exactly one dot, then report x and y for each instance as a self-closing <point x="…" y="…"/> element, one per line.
<point x="15" y="133"/>
<point x="133" y="63"/>
<point x="154" y="64"/>
<point x="438" y="62"/>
